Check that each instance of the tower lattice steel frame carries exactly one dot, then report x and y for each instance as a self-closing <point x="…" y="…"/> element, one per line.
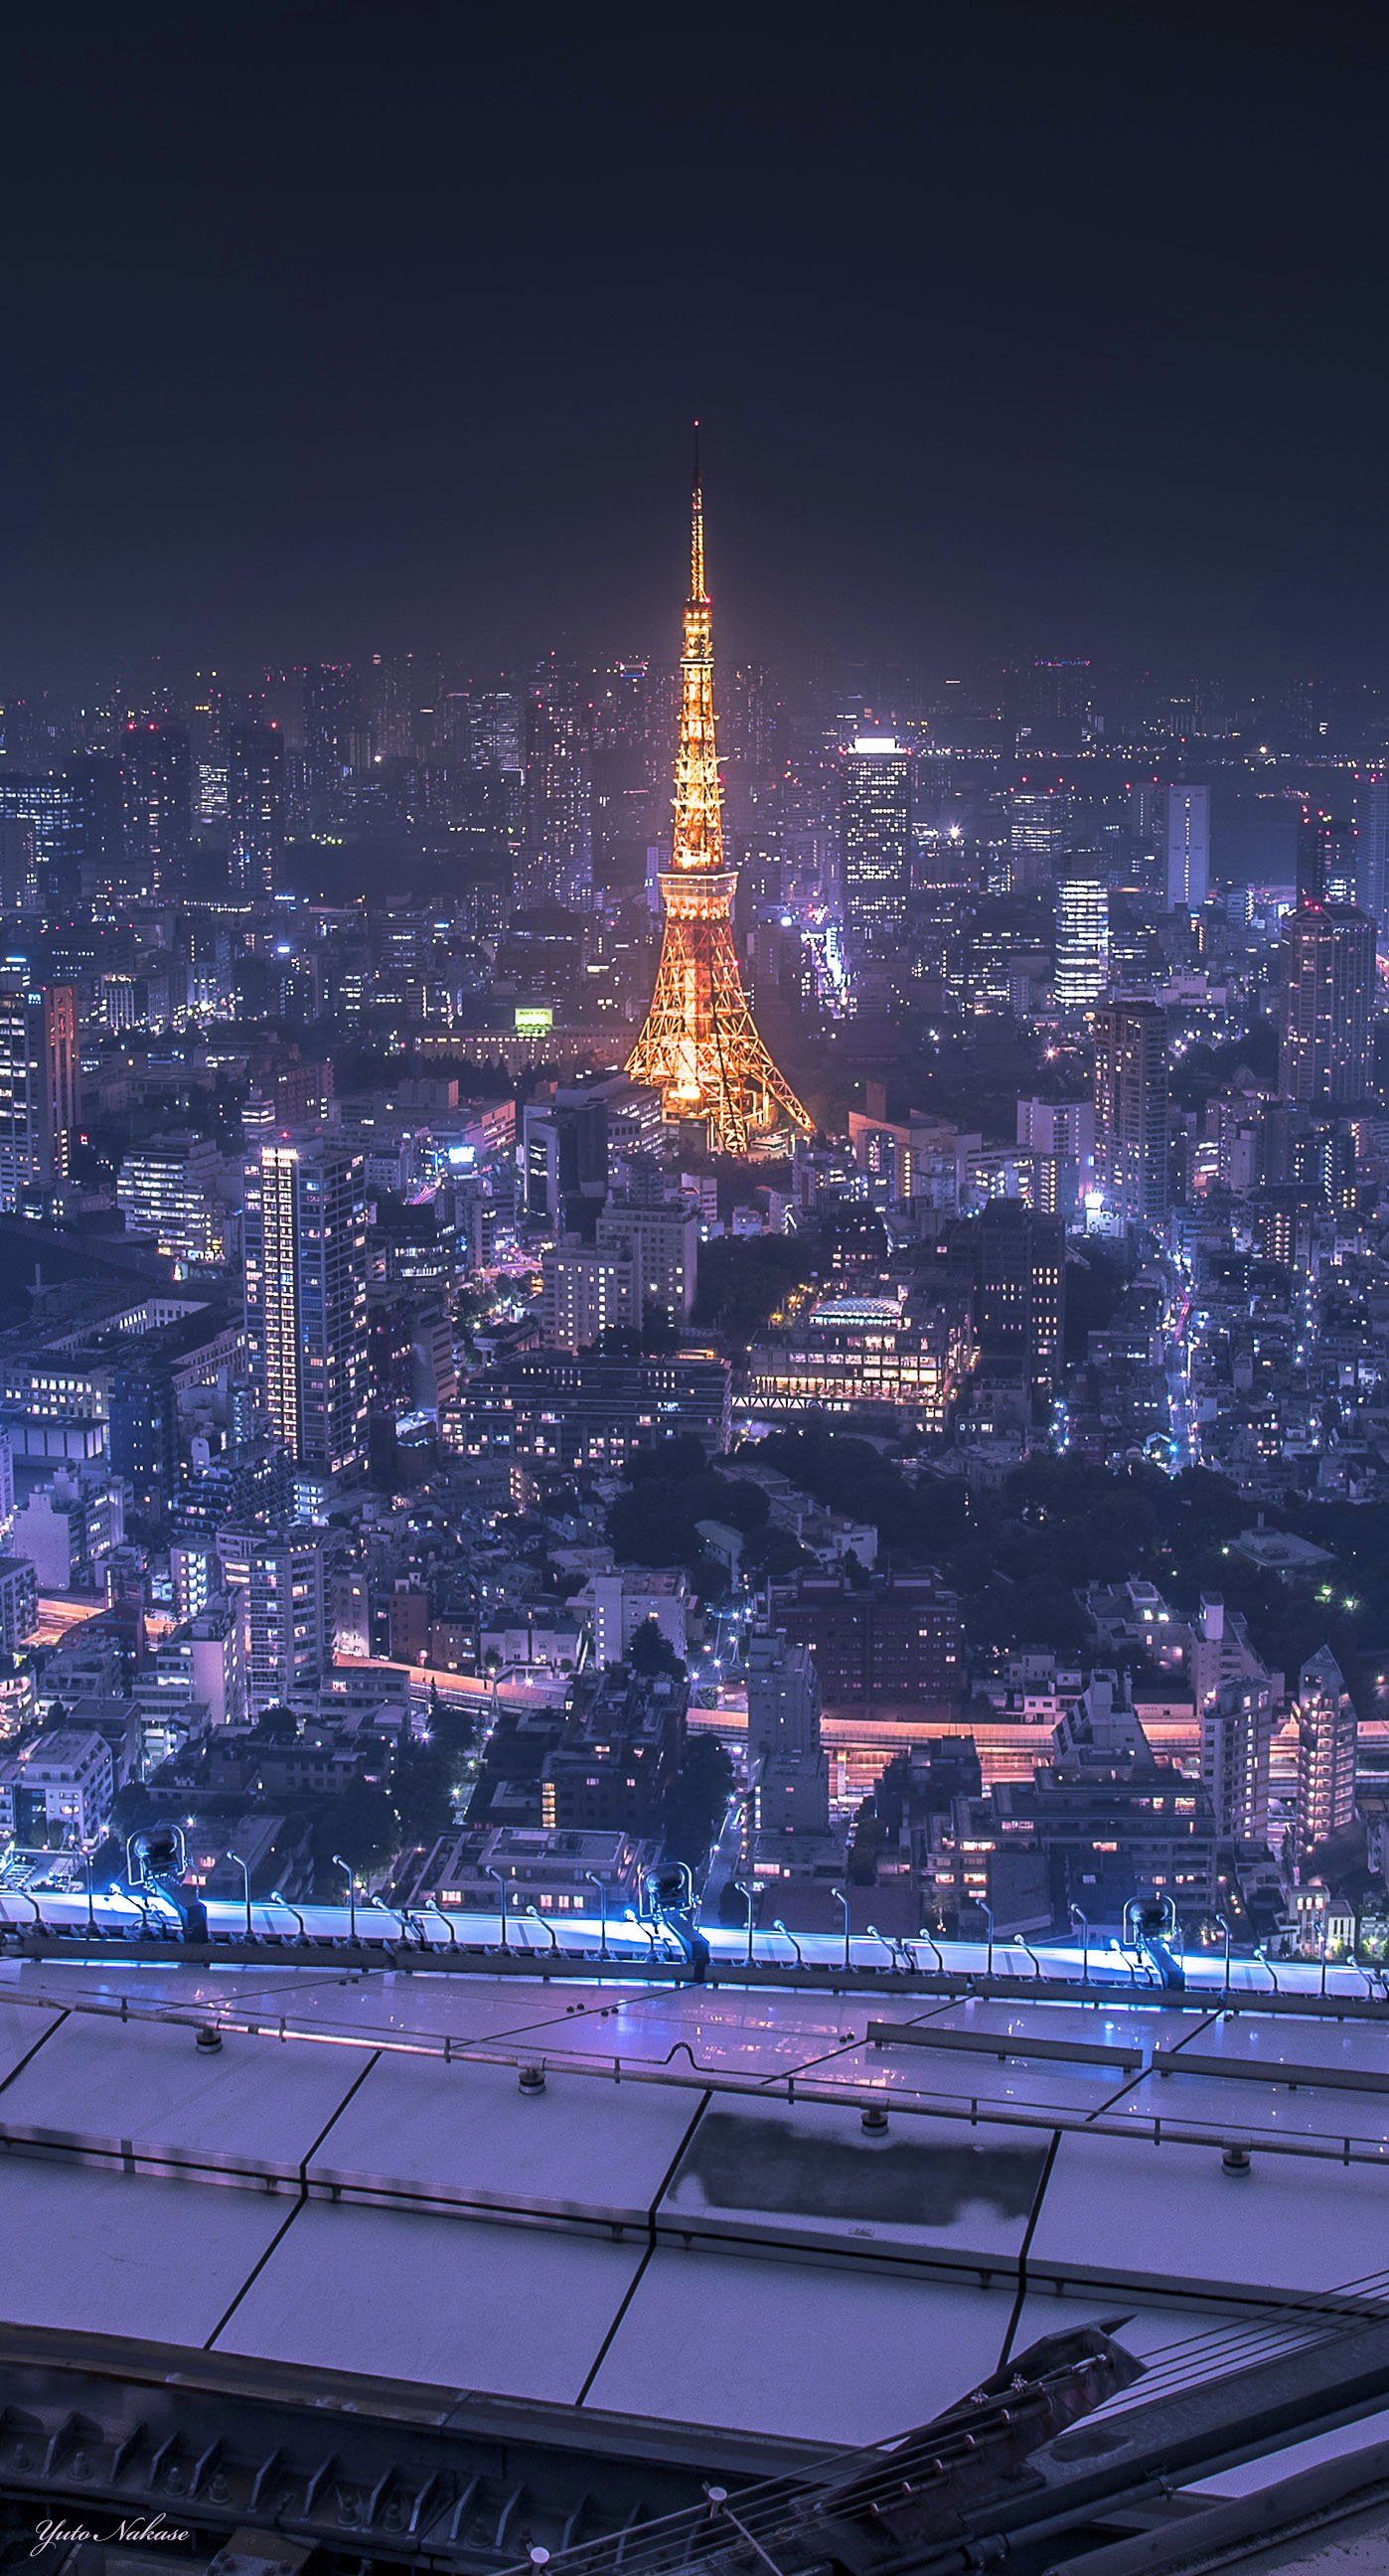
<point x="700" y="1046"/>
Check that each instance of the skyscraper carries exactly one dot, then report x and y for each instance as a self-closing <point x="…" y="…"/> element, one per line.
<point x="38" y="1086"/>
<point x="1188" y="847"/>
<point x="1131" y="1110"/>
<point x="1328" y="992"/>
<point x="559" y="788"/>
<point x="875" y="840"/>
<point x="1326" y="1745"/>
<point x="1082" y="942"/>
<point x="1020" y="1305"/>
<point x="700" y="1046"/>
<point x="305" y="1260"/>
<point x="278" y="1581"/>
<point x="157" y="772"/>
<point x="256" y="808"/>
<point x="332" y="723"/>
<point x="1372" y="843"/>
<point x="1327" y="858"/>
<point x="1038" y="822"/>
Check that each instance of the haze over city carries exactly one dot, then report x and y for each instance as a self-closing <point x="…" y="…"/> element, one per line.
<point x="694" y="1293"/>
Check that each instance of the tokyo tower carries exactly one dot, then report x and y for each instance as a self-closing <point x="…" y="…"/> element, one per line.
<point x="700" y="1047"/>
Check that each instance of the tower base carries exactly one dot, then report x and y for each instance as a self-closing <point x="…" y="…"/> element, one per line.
<point x="700" y="1046"/>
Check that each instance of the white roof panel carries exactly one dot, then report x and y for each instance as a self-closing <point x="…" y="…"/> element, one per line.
<point x="585" y="2146"/>
<point x="120" y="2254"/>
<point x="463" y="2303"/>
<point x="105" y="2080"/>
<point x="798" y="2350"/>
<point x="1171" y="2216"/>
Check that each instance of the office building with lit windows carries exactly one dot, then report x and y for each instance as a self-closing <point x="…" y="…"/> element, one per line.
<point x="1131" y="1111"/>
<point x="278" y="1584"/>
<point x="1188" y="847"/>
<point x="38" y="1086"/>
<point x="875" y="840"/>
<point x="1328" y="994"/>
<point x="256" y="809"/>
<point x="848" y="1354"/>
<point x="1082" y="942"/>
<point x="306" y="1322"/>
<point x="166" y="1190"/>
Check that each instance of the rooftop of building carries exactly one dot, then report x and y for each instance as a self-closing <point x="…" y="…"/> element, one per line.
<point x="692" y="2221"/>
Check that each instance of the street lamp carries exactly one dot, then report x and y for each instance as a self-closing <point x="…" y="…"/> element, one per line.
<point x="433" y="1906"/>
<point x="277" y="1899"/>
<point x="780" y="1927"/>
<point x="244" y="1868"/>
<point x="595" y="1881"/>
<point x="402" y="1919"/>
<point x="351" y="1876"/>
<point x="501" y="1883"/>
<point x="545" y="1925"/>
<point x="749" y="1897"/>
<point x="841" y="1898"/>
<point x="125" y="1896"/>
<point x="1223" y="1926"/>
<point x="1084" y="1921"/>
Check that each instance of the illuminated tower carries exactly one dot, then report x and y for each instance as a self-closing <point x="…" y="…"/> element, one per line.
<point x="700" y="1047"/>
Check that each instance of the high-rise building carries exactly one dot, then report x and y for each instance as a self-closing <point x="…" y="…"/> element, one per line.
<point x="305" y="1261"/>
<point x="700" y="1046"/>
<point x="1327" y="858"/>
<point x="1188" y="847"/>
<point x="278" y="1583"/>
<point x="783" y="1697"/>
<point x="77" y="824"/>
<point x="1020" y="1306"/>
<point x="1236" y="1741"/>
<point x="1372" y="843"/>
<point x="1328" y="996"/>
<point x="875" y="840"/>
<point x="256" y="808"/>
<point x="166" y="1189"/>
<point x="1082" y="942"/>
<point x="559" y="788"/>
<point x="38" y="1086"/>
<point x="1131" y="1110"/>
<point x="157" y="772"/>
<point x="332" y="725"/>
<point x="1326" y="1741"/>
<point x="1038" y="822"/>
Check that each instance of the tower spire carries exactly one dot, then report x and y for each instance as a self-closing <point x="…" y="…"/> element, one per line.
<point x="696" y="529"/>
<point x="700" y="1046"/>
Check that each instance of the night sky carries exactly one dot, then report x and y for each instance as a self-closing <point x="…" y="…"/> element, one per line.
<point x="1055" y="329"/>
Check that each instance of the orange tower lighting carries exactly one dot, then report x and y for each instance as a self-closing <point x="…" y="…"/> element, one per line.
<point x="700" y="1047"/>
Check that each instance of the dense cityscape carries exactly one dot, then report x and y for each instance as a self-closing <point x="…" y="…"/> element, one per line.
<point x="460" y="1421"/>
<point x="694" y="1293"/>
